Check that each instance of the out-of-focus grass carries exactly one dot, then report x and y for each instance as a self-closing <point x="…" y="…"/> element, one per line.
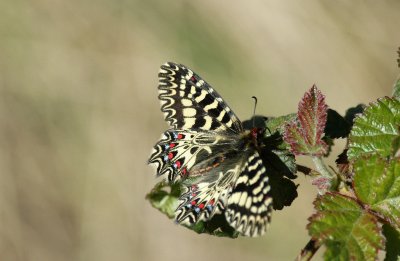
<point x="79" y="111"/>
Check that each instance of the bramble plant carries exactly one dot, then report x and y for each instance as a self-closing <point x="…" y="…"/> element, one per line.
<point x="357" y="210"/>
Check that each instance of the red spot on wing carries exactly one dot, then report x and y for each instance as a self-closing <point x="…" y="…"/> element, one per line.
<point x="172" y="145"/>
<point x="180" y="136"/>
<point x="201" y="206"/>
<point x="170" y="155"/>
<point x="178" y="164"/>
<point x="193" y="202"/>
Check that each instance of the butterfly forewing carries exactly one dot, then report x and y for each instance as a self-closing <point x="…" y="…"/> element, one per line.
<point x="188" y="102"/>
<point x="208" y="151"/>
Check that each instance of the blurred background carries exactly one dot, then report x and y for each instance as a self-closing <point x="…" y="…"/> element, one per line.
<point x="79" y="111"/>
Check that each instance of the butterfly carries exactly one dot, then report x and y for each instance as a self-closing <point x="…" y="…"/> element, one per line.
<point x="207" y="150"/>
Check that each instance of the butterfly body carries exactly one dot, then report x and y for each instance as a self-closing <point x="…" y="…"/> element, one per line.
<point x="211" y="155"/>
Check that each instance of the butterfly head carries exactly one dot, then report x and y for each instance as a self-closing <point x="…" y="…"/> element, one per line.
<point x="257" y="135"/>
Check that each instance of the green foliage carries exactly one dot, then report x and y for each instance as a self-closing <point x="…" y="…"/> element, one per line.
<point x="349" y="220"/>
<point x="375" y="129"/>
<point x="349" y="223"/>
<point x="277" y="124"/>
<point x="349" y="232"/>
<point x="392" y="248"/>
<point x="164" y="197"/>
<point x="377" y="183"/>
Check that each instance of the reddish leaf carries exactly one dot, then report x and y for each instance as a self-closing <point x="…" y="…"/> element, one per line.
<point x="305" y="134"/>
<point x="322" y="183"/>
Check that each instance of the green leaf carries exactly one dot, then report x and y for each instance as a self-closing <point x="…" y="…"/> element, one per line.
<point x="377" y="183"/>
<point x="392" y="243"/>
<point x="375" y="129"/>
<point x="277" y="124"/>
<point x="349" y="232"/>
<point x="274" y="139"/>
<point x="396" y="147"/>
<point x="164" y="197"/>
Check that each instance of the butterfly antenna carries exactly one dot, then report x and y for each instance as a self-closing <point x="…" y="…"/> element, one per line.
<point x="254" y="111"/>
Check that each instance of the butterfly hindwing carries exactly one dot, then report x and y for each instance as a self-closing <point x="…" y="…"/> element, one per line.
<point x="240" y="190"/>
<point x="206" y="195"/>
<point x="188" y="102"/>
<point x="249" y="204"/>
<point x="200" y="202"/>
<point x="183" y="153"/>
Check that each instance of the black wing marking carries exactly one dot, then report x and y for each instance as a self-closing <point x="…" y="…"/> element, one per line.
<point x="249" y="204"/>
<point x="206" y="195"/>
<point x="188" y="102"/>
<point x="187" y="153"/>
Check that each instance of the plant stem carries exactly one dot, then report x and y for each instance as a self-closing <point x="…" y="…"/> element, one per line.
<point x="321" y="167"/>
<point x="308" y="251"/>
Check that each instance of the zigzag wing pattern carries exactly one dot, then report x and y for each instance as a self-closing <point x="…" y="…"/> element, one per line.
<point x="249" y="204"/>
<point x="188" y="102"/>
<point x="206" y="196"/>
<point x="183" y="153"/>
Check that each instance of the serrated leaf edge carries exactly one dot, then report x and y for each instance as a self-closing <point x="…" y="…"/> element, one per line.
<point x="363" y="211"/>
